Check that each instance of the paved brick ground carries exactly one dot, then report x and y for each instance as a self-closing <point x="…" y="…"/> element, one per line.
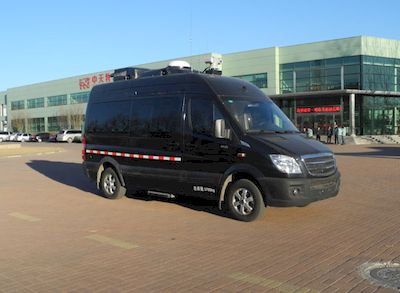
<point x="57" y="234"/>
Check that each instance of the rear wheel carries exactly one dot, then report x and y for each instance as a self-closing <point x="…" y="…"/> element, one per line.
<point x="244" y="201"/>
<point x="110" y="184"/>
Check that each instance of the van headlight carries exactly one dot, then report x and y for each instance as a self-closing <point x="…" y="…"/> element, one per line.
<point x="286" y="164"/>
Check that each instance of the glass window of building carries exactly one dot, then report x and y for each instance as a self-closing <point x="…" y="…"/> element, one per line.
<point x="18" y="105"/>
<point x="380" y="74"/>
<point x="319" y="75"/>
<point x="57" y="100"/>
<point x="381" y="115"/>
<point x="18" y="124"/>
<point x="36" y="125"/>
<point x="260" y="79"/>
<point x="35" y="103"/>
<point x="79" y="98"/>
<point x="57" y="123"/>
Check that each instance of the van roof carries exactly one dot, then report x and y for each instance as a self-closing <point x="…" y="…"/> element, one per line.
<point x="192" y="82"/>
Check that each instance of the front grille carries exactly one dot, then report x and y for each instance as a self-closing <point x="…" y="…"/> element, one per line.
<point x="320" y="165"/>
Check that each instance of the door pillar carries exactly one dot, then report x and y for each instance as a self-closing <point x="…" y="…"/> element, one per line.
<point x="352" y="114"/>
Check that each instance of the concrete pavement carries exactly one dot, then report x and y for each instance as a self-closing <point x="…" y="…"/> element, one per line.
<point x="57" y="234"/>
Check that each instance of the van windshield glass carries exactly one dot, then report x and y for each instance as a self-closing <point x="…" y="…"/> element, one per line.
<point x="259" y="116"/>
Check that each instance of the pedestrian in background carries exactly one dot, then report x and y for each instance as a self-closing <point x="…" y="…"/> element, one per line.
<point x="310" y="133"/>
<point x="340" y="134"/>
<point x="330" y="133"/>
<point x="343" y="134"/>
<point x="335" y="131"/>
<point x="318" y="134"/>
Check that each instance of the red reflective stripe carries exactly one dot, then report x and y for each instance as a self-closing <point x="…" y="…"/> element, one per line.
<point x="135" y="156"/>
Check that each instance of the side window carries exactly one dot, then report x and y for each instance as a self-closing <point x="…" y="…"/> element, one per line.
<point x="110" y="117"/>
<point x="156" y="117"/>
<point x="203" y="114"/>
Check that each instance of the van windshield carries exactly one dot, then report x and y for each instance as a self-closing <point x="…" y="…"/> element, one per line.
<point x="259" y="116"/>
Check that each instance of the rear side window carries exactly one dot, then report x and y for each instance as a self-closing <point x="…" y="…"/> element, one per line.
<point x="109" y="117"/>
<point x="156" y="117"/>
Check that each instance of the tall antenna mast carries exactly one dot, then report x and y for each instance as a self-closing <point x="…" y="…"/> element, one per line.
<point x="191" y="31"/>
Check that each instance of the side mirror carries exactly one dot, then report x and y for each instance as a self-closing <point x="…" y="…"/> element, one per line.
<point x="220" y="129"/>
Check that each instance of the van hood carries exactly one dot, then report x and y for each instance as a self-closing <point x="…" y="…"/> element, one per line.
<point x="291" y="144"/>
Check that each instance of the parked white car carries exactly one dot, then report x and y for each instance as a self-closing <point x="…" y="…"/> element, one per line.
<point x="69" y="135"/>
<point x="5" y="136"/>
<point x="22" y="137"/>
<point x="13" y="136"/>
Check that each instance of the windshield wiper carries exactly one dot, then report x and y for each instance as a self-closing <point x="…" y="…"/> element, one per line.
<point x="262" y="131"/>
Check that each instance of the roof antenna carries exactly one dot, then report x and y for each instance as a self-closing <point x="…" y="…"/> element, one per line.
<point x="191" y="32"/>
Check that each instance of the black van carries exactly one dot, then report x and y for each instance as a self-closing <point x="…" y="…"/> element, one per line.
<point x="178" y="132"/>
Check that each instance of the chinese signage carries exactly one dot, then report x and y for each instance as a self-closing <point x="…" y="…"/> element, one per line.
<point x="87" y="82"/>
<point x="325" y="109"/>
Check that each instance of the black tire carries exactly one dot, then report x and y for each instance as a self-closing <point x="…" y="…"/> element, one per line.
<point x="69" y="140"/>
<point x="244" y="201"/>
<point x="110" y="184"/>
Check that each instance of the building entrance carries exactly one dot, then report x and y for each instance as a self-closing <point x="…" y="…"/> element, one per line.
<point x="319" y="117"/>
<point x="323" y="121"/>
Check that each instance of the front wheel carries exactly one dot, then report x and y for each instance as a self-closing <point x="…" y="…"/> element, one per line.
<point x="244" y="201"/>
<point x="110" y="184"/>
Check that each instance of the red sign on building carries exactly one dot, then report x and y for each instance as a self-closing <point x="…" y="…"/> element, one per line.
<point x="87" y="82"/>
<point x="324" y="109"/>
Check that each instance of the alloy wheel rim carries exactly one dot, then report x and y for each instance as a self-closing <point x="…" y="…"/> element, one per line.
<point x="109" y="184"/>
<point x="243" y="201"/>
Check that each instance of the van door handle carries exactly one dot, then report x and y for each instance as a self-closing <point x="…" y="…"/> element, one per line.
<point x="223" y="146"/>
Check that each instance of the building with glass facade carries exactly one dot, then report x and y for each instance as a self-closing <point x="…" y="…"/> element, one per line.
<point x="354" y="82"/>
<point x="3" y="111"/>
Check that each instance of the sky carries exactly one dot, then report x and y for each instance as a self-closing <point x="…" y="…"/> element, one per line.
<point x="46" y="40"/>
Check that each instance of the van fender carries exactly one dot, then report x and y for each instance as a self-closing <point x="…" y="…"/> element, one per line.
<point x="228" y="178"/>
<point x="114" y="164"/>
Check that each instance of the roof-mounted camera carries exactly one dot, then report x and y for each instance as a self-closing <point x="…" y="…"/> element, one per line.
<point x="214" y="64"/>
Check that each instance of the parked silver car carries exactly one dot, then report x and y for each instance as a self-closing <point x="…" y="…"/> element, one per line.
<point x="5" y="136"/>
<point x="22" y="137"/>
<point x="69" y="135"/>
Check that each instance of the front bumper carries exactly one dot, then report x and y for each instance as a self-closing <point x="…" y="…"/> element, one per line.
<point x="299" y="191"/>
